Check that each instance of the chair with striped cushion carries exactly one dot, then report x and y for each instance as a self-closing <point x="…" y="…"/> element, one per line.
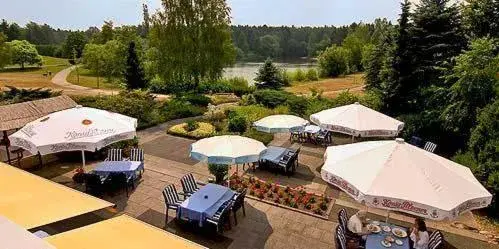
<point x="114" y="155"/>
<point x="429" y="146"/>
<point x="189" y="184"/>
<point x="221" y="217"/>
<point x="436" y="240"/>
<point x="343" y="219"/>
<point x="341" y="241"/>
<point x="172" y="199"/>
<point x="238" y="203"/>
<point x="136" y="155"/>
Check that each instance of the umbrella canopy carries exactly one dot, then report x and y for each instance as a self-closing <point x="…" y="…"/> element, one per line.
<point x="357" y="120"/>
<point x="395" y="175"/>
<point x="13" y="236"/>
<point x="227" y="150"/>
<point x="279" y="123"/>
<point x="75" y="129"/>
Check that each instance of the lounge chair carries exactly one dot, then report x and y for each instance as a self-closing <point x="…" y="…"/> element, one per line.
<point x="117" y="181"/>
<point x="172" y="199"/>
<point x="114" y="155"/>
<point x="239" y="203"/>
<point x="189" y="184"/>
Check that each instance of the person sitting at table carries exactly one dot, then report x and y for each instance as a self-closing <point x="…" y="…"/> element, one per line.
<point x="419" y="235"/>
<point x="356" y="225"/>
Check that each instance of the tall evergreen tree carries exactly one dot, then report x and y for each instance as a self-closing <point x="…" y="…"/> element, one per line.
<point x="147" y="18"/>
<point x="134" y="74"/>
<point x="398" y="87"/>
<point x="481" y="17"/>
<point x="437" y="36"/>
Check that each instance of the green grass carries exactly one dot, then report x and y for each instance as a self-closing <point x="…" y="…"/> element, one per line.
<point x="32" y="76"/>
<point x="88" y="79"/>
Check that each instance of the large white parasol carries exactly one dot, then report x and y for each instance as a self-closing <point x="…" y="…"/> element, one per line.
<point x="395" y="175"/>
<point x="279" y="123"/>
<point x="357" y="120"/>
<point x="227" y="150"/>
<point x="13" y="236"/>
<point x="75" y="129"/>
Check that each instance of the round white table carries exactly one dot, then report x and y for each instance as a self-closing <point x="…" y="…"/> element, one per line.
<point x="312" y="129"/>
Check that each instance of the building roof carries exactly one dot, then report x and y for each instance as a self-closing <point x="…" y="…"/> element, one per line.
<point x="18" y="115"/>
<point x="32" y="201"/>
<point x="123" y="232"/>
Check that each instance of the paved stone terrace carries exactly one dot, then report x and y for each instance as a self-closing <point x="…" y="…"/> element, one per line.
<point x="265" y="226"/>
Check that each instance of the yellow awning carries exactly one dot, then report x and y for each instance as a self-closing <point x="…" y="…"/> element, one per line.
<point x="122" y="232"/>
<point x="32" y="201"/>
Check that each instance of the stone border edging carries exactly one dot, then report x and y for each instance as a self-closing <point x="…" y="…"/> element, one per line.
<point x="325" y="217"/>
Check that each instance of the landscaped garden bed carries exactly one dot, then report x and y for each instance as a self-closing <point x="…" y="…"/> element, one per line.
<point x="293" y="198"/>
<point x="196" y="130"/>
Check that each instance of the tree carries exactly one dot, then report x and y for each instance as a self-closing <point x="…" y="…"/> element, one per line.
<point x="483" y="144"/>
<point x="475" y="79"/>
<point x="108" y="60"/>
<point x="74" y="42"/>
<point x="355" y="42"/>
<point x="376" y="60"/>
<point x="134" y="74"/>
<point x="334" y="61"/>
<point x="269" y="46"/>
<point x="106" y="34"/>
<point x="481" y="17"/>
<point x="147" y="19"/>
<point x="191" y="41"/>
<point x="5" y="56"/>
<point x="24" y="53"/>
<point x="269" y="75"/>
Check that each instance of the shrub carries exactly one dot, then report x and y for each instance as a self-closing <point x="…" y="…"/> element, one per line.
<point x="334" y="61"/>
<point x="299" y="75"/>
<point x="286" y="77"/>
<point x="237" y="123"/>
<point x="240" y="86"/>
<point x="176" y="109"/>
<point x="191" y="126"/>
<point x="312" y="74"/>
<point x="252" y="113"/>
<point x="203" y="130"/>
<point x="297" y="105"/>
<point x="215" y="115"/>
<point x="222" y="99"/>
<point x="196" y="99"/>
<point x="263" y="137"/>
<point x="219" y="171"/>
<point x="271" y="98"/>
<point x="248" y="99"/>
<point x="220" y="86"/>
<point x="18" y="95"/>
<point x="47" y="50"/>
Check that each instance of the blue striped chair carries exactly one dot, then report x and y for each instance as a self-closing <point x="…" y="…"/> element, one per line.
<point x="172" y="199"/>
<point x="341" y="241"/>
<point x="429" y="146"/>
<point x="114" y="155"/>
<point x="189" y="184"/>
<point x="436" y="240"/>
<point x="221" y="217"/>
<point x="136" y="155"/>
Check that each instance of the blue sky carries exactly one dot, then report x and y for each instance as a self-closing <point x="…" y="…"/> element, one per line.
<point x="80" y="14"/>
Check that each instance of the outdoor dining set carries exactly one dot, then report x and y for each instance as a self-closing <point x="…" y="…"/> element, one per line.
<point x="115" y="172"/>
<point x="203" y="205"/>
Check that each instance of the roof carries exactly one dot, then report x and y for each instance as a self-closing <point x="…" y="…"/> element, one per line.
<point x="32" y="201"/>
<point x="17" y="115"/>
<point x="123" y="232"/>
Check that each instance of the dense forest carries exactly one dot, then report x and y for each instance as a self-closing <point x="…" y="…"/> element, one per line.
<point x="252" y="43"/>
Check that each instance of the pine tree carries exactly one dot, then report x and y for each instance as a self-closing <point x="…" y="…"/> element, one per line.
<point x="134" y="74"/>
<point x="438" y="36"/>
<point x="396" y="74"/>
<point x="269" y="75"/>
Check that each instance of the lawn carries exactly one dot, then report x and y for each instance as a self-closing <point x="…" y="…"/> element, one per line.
<point x="331" y="86"/>
<point x="32" y="76"/>
<point x="88" y="79"/>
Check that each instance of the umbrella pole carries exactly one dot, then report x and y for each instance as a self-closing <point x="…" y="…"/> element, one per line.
<point x="83" y="158"/>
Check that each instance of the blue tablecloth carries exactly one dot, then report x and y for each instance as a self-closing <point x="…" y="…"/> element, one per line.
<point x="274" y="154"/>
<point x="374" y="240"/>
<point x="130" y="168"/>
<point x="198" y="208"/>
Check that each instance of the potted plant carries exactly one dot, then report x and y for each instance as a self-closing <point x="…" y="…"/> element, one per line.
<point x="79" y="176"/>
<point x="219" y="171"/>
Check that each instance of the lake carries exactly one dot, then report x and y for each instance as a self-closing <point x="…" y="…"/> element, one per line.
<point x="248" y="70"/>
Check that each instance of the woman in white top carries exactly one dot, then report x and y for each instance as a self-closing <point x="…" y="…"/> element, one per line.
<point x="419" y="235"/>
<point x="356" y="224"/>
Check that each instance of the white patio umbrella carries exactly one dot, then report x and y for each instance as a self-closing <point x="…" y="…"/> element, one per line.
<point x="279" y="123"/>
<point x="13" y="236"/>
<point x="357" y="120"/>
<point x="395" y="175"/>
<point x="227" y="150"/>
<point x="76" y="129"/>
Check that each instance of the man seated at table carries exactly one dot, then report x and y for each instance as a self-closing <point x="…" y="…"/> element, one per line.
<point x="356" y="225"/>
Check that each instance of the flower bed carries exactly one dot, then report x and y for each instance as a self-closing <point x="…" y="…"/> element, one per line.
<point x="203" y="130"/>
<point x="296" y="198"/>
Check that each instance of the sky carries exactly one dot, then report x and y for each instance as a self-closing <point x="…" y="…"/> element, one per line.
<point x="81" y="14"/>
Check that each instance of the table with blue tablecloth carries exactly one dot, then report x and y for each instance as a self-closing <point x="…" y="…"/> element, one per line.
<point x="274" y="154"/>
<point x="373" y="240"/>
<point x="204" y="203"/>
<point x="130" y="168"/>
